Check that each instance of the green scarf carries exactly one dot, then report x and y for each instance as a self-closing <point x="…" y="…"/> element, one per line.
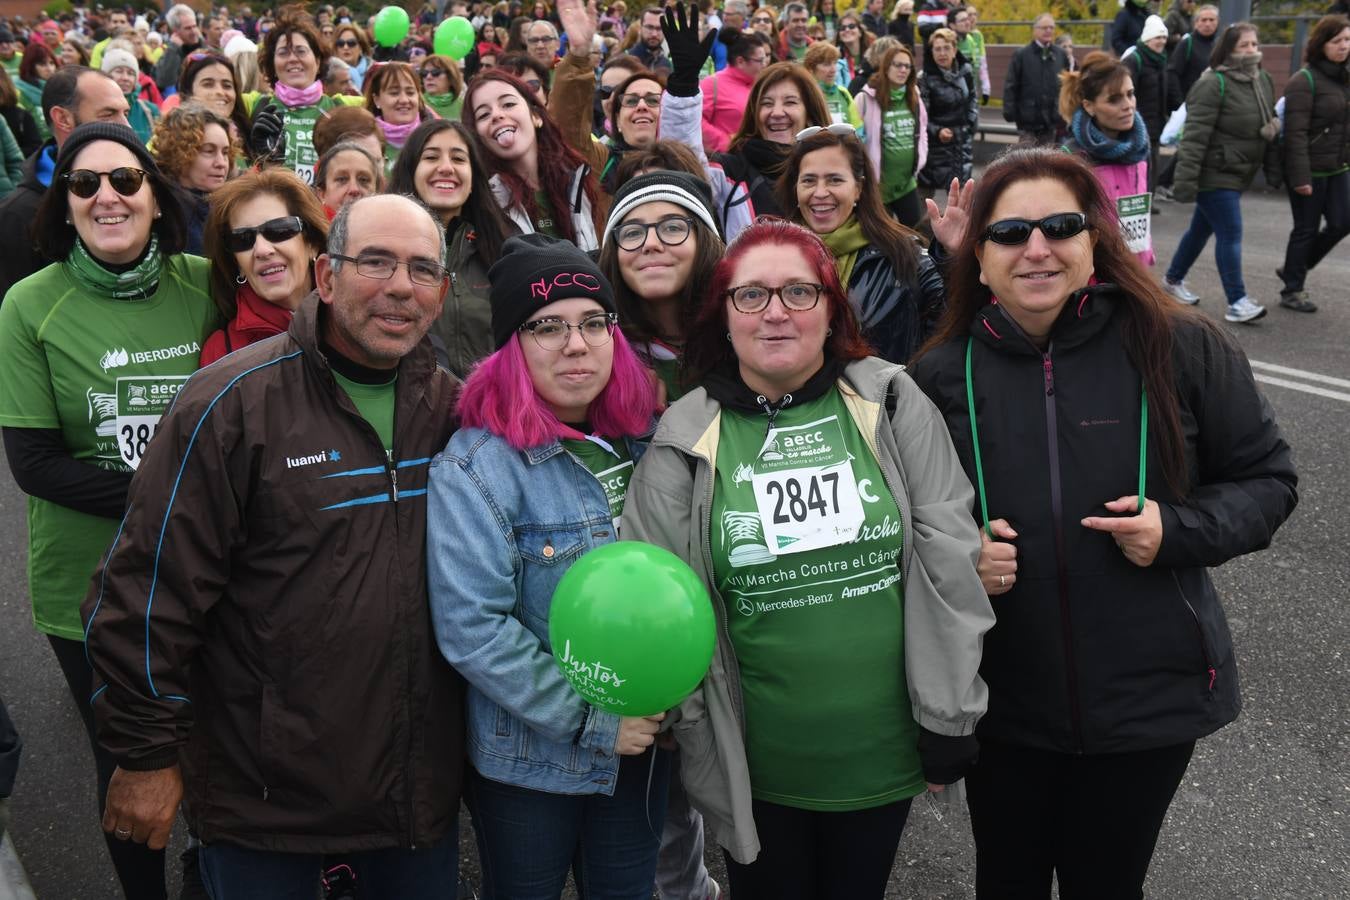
<point x="1146" y="52"/>
<point x="845" y="242"/>
<point x="136" y="283"/>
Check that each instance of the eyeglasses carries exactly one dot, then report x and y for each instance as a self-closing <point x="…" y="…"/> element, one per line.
<point x="671" y="231"/>
<point x="629" y="101"/>
<point x="1059" y="227"/>
<point x="346" y="43"/>
<point x="381" y="268"/>
<point x="838" y="128"/>
<point x="84" y="183"/>
<point x="848" y="26"/>
<point x="761" y="20"/>
<point x="432" y="72"/>
<point x="548" y="39"/>
<point x="798" y="296"/>
<point x="552" y="333"/>
<point x="241" y="240"/>
<point x="534" y="84"/>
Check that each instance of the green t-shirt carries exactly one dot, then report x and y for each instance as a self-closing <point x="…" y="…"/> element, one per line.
<point x="375" y="403"/>
<point x="837" y="101"/>
<point x="819" y="634"/>
<point x="545" y="224"/>
<point x="972" y="48"/>
<point x="300" y="122"/>
<point x="612" y="466"/>
<point x="103" y="371"/>
<point x="899" y="146"/>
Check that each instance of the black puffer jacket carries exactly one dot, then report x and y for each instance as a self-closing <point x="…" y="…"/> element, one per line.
<point x="1092" y="654"/>
<point x="1031" y="90"/>
<point x="953" y="101"/>
<point x="1188" y="61"/>
<point x="1152" y="89"/>
<point x="1316" y="122"/>
<point x="896" y="316"/>
<point x="1128" y="25"/>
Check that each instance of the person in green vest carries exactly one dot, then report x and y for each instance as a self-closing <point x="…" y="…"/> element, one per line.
<point x="283" y="126"/>
<point x="93" y="349"/>
<point x="442" y="85"/>
<point x="822" y="59"/>
<point x="393" y="94"/>
<point x="818" y="496"/>
<point x="10" y="55"/>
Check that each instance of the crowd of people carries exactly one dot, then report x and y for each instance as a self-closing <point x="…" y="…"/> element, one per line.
<point x="323" y="358"/>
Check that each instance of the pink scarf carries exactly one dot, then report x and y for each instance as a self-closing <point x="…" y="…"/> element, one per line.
<point x="297" y="97"/>
<point x="397" y="135"/>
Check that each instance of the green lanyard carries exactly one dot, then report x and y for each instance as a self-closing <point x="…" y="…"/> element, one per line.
<point x="979" y="463"/>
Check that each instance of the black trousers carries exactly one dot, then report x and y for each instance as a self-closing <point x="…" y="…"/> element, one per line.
<point x="1309" y="242"/>
<point x="808" y="855"/>
<point x="139" y="869"/>
<point x="909" y="209"/>
<point x="1091" y="820"/>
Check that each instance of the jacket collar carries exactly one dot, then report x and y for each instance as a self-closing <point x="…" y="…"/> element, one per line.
<point x="253" y="313"/>
<point x="726" y="387"/>
<point x="1087" y="312"/>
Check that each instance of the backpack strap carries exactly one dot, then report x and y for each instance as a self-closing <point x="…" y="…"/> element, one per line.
<point x="1312" y="85"/>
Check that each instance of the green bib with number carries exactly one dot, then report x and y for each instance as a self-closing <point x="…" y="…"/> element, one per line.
<point x="899" y="149"/>
<point x="805" y="542"/>
<point x="612" y="466"/>
<point x="102" y="371"/>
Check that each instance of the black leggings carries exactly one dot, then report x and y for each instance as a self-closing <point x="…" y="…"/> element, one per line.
<point x="1092" y="820"/>
<point x="139" y="869"/>
<point x="1311" y="240"/>
<point x="807" y="855"/>
<point x="909" y="209"/>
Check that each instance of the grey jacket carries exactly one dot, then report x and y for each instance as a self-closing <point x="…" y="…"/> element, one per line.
<point x="947" y="612"/>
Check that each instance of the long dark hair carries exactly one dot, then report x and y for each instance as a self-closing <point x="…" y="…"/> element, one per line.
<point x="1148" y="317"/>
<point x="187" y="79"/>
<point x="817" y="113"/>
<point x="557" y="160"/>
<point x="480" y="210"/>
<point x="895" y="241"/>
<point x="1325" y="30"/>
<point x="707" y="347"/>
<point x="881" y="81"/>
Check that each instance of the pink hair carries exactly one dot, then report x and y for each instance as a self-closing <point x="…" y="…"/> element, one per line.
<point x="500" y="397"/>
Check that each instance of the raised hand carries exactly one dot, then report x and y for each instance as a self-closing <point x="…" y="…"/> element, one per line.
<point x="949" y="225"/>
<point x="578" y="20"/>
<point x="687" y="52"/>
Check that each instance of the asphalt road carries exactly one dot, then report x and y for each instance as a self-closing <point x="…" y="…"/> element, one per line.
<point x="1264" y="809"/>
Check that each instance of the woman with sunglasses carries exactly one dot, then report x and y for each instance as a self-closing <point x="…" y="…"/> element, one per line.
<point x="893" y="286"/>
<point x="442" y="85"/>
<point x="393" y="94"/>
<point x="352" y="46"/>
<point x="764" y="21"/>
<point x="852" y="40"/>
<point x="442" y="166"/>
<point x="1119" y="447"/>
<point x="195" y="150"/>
<point x="551" y="424"/>
<point x="92" y="350"/>
<point x="895" y="127"/>
<point x="819" y="499"/>
<point x="1107" y="132"/>
<point x="541" y="183"/>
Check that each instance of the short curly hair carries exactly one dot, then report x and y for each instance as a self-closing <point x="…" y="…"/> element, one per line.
<point x="181" y="133"/>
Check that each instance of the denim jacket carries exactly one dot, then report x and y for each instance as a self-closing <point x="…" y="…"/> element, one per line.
<point x="503" y="525"/>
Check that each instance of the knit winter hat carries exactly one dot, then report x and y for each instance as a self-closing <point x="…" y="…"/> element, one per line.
<point x="116" y="58"/>
<point x="680" y="188"/>
<point x="1153" y="27"/>
<point x="102" y="131"/>
<point x="237" y="45"/>
<point x="535" y="270"/>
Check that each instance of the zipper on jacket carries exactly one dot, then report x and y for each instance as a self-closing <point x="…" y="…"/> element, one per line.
<point x="1205" y="658"/>
<point x="393" y="477"/>
<point x="1061" y="563"/>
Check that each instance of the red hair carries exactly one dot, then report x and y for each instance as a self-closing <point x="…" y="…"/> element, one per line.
<point x="499" y="397"/>
<point x="707" y="347"/>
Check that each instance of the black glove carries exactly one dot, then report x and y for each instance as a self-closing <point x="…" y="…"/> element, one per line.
<point x="267" y="134"/>
<point x="946" y="760"/>
<point x="984" y="99"/>
<point x="687" y="52"/>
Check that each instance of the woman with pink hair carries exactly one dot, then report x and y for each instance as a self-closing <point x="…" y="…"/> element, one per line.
<point x="551" y="426"/>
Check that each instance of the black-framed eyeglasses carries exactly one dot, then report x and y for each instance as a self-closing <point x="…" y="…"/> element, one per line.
<point x="1057" y="227"/>
<point x="761" y="20"/>
<point x="241" y="240"/>
<point x="840" y="129"/>
<point x="346" y="43"/>
<point x="552" y="333"/>
<point x="425" y="272"/>
<point x="671" y="231"/>
<point x="799" y="296"/>
<point x="607" y="90"/>
<point x="630" y="101"/>
<point x="84" y="183"/>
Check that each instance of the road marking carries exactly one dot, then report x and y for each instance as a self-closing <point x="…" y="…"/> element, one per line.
<point x="1300" y="373"/>
<point x="1305" y="388"/>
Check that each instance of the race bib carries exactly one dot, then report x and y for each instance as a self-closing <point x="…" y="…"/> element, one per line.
<point x="805" y="491"/>
<point x="305" y="171"/>
<point x="615" y="482"/>
<point x="1135" y="214"/>
<point x="141" y="401"/>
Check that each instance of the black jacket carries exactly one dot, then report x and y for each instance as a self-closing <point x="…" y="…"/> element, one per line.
<point x="1188" y="61"/>
<point x="1031" y="90"/>
<point x="1092" y="654"/>
<point x="756" y="165"/>
<point x="1128" y="25"/>
<point x="896" y="317"/>
<point x="1316" y="122"/>
<point x="291" y="667"/>
<point x="1152" y="90"/>
<point x="20" y="257"/>
<point x="24" y="126"/>
<point x="952" y="99"/>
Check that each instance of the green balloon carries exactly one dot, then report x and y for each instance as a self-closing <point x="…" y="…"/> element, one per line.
<point x="454" y="37"/>
<point x="631" y="627"/>
<point x="390" y="26"/>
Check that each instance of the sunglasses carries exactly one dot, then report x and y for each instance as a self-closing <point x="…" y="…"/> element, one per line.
<point x="346" y="43"/>
<point x="630" y="101"/>
<point x="1058" y="227"/>
<point x="838" y="128"/>
<point x="84" y="183"/>
<point x="432" y="73"/>
<point x="241" y="240"/>
<point x="761" y="20"/>
<point x="848" y="26"/>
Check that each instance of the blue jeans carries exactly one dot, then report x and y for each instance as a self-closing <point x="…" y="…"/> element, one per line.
<point x="528" y="839"/>
<point x="1218" y="213"/>
<point x="427" y="873"/>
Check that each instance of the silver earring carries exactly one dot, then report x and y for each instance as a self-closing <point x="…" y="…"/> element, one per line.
<point x="240" y="279"/>
<point x="829" y="331"/>
<point x="728" y="335"/>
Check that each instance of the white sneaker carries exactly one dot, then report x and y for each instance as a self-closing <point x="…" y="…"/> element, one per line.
<point x="1244" y="311"/>
<point x="1182" y="293"/>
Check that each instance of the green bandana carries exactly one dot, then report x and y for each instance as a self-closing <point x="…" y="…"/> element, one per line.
<point x="135" y="283"/>
<point x="845" y="242"/>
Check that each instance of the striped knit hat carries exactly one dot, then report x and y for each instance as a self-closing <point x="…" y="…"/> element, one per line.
<point x="680" y="188"/>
